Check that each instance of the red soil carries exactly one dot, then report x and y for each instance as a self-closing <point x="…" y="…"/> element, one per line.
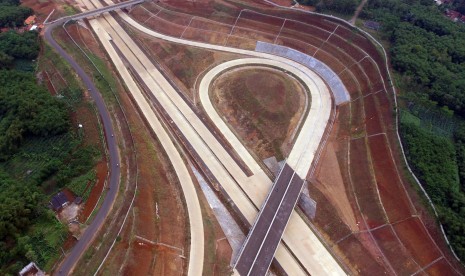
<point x="251" y="34"/>
<point x="441" y="267"/>
<point x="385" y="109"/>
<point x="393" y="196"/>
<point x="297" y="45"/>
<point x="414" y="237"/>
<point x="48" y="83"/>
<point x="260" y="22"/>
<point x="363" y="185"/>
<point x="102" y="173"/>
<point x="141" y="14"/>
<point x="205" y="36"/>
<point x="240" y="42"/>
<point x="348" y="48"/>
<point x="203" y="24"/>
<point x="41" y="8"/>
<point x="358" y="117"/>
<point x="361" y="78"/>
<point x="164" y="26"/>
<point x="142" y="255"/>
<point x="152" y="7"/>
<point x="373" y="124"/>
<point x="396" y="254"/>
<point x="330" y="60"/>
<point x="284" y="3"/>
<point x="299" y="28"/>
<point x="347" y="77"/>
<point x="360" y="258"/>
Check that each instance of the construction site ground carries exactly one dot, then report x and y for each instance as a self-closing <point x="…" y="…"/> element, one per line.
<point x="263" y="106"/>
<point x="367" y="211"/>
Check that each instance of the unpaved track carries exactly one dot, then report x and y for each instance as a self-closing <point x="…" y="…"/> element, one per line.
<point x="303" y="243"/>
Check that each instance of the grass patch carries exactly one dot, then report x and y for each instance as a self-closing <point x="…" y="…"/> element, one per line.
<point x="69" y="10"/>
<point x="260" y="104"/>
<point x="82" y="185"/>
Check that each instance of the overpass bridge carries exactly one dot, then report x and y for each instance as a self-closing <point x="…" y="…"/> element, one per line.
<point x="258" y="250"/>
<point x="95" y="12"/>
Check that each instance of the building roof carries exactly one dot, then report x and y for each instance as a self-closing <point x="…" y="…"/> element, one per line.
<point x="30" y="20"/>
<point x="454" y="15"/>
<point x="58" y="201"/>
<point x="31" y="270"/>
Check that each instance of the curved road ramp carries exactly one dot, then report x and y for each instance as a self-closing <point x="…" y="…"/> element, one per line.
<point x="338" y="89"/>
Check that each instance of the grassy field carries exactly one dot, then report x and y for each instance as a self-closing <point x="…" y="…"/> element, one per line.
<point x="263" y="105"/>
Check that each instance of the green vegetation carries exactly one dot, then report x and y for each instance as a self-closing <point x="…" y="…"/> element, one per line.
<point x="457" y="5"/>
<point x="16" y="47"/>
<point x="346" y="7"/>
<point x="428" y="54"/>
<point x="11" y="14"/>
<point x="40" y="153"/>
<point x="26" y="110"/>
<point x="70" y="10"/>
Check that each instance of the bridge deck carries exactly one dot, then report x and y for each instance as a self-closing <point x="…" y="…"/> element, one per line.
<point x="95" y="12"/>
<point x="263" y="240"/>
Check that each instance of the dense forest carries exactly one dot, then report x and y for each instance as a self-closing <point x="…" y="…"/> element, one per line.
<point x="40" y="153"/>
<point x="345" y="7"/>
<point x="457" y="5"/>
<point x="11" y="14"/>
<point x="427" y="52"/>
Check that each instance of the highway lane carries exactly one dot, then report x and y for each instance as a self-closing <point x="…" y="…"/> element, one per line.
<point x="87" y="237"/>
<point x="275" y="225"/>
<point x="258" y="234"/>
<point x="196" y="245"/>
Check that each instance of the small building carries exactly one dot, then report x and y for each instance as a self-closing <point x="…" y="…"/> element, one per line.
<point x="462" y="19"/>
<point x="31" y="270"/>
<point x="30" y="20"/>
<point x="59" y="201"/>
<point x="33" y="28"/>
<point x="453" y="15"/>
<point x="372" y="25"/>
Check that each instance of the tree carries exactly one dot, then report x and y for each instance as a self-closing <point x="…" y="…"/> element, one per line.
<point x="27" y="109"/>
<point x="21" y="46"/>
<point x="13" y="15"/>
<point x="340" y="6"/>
